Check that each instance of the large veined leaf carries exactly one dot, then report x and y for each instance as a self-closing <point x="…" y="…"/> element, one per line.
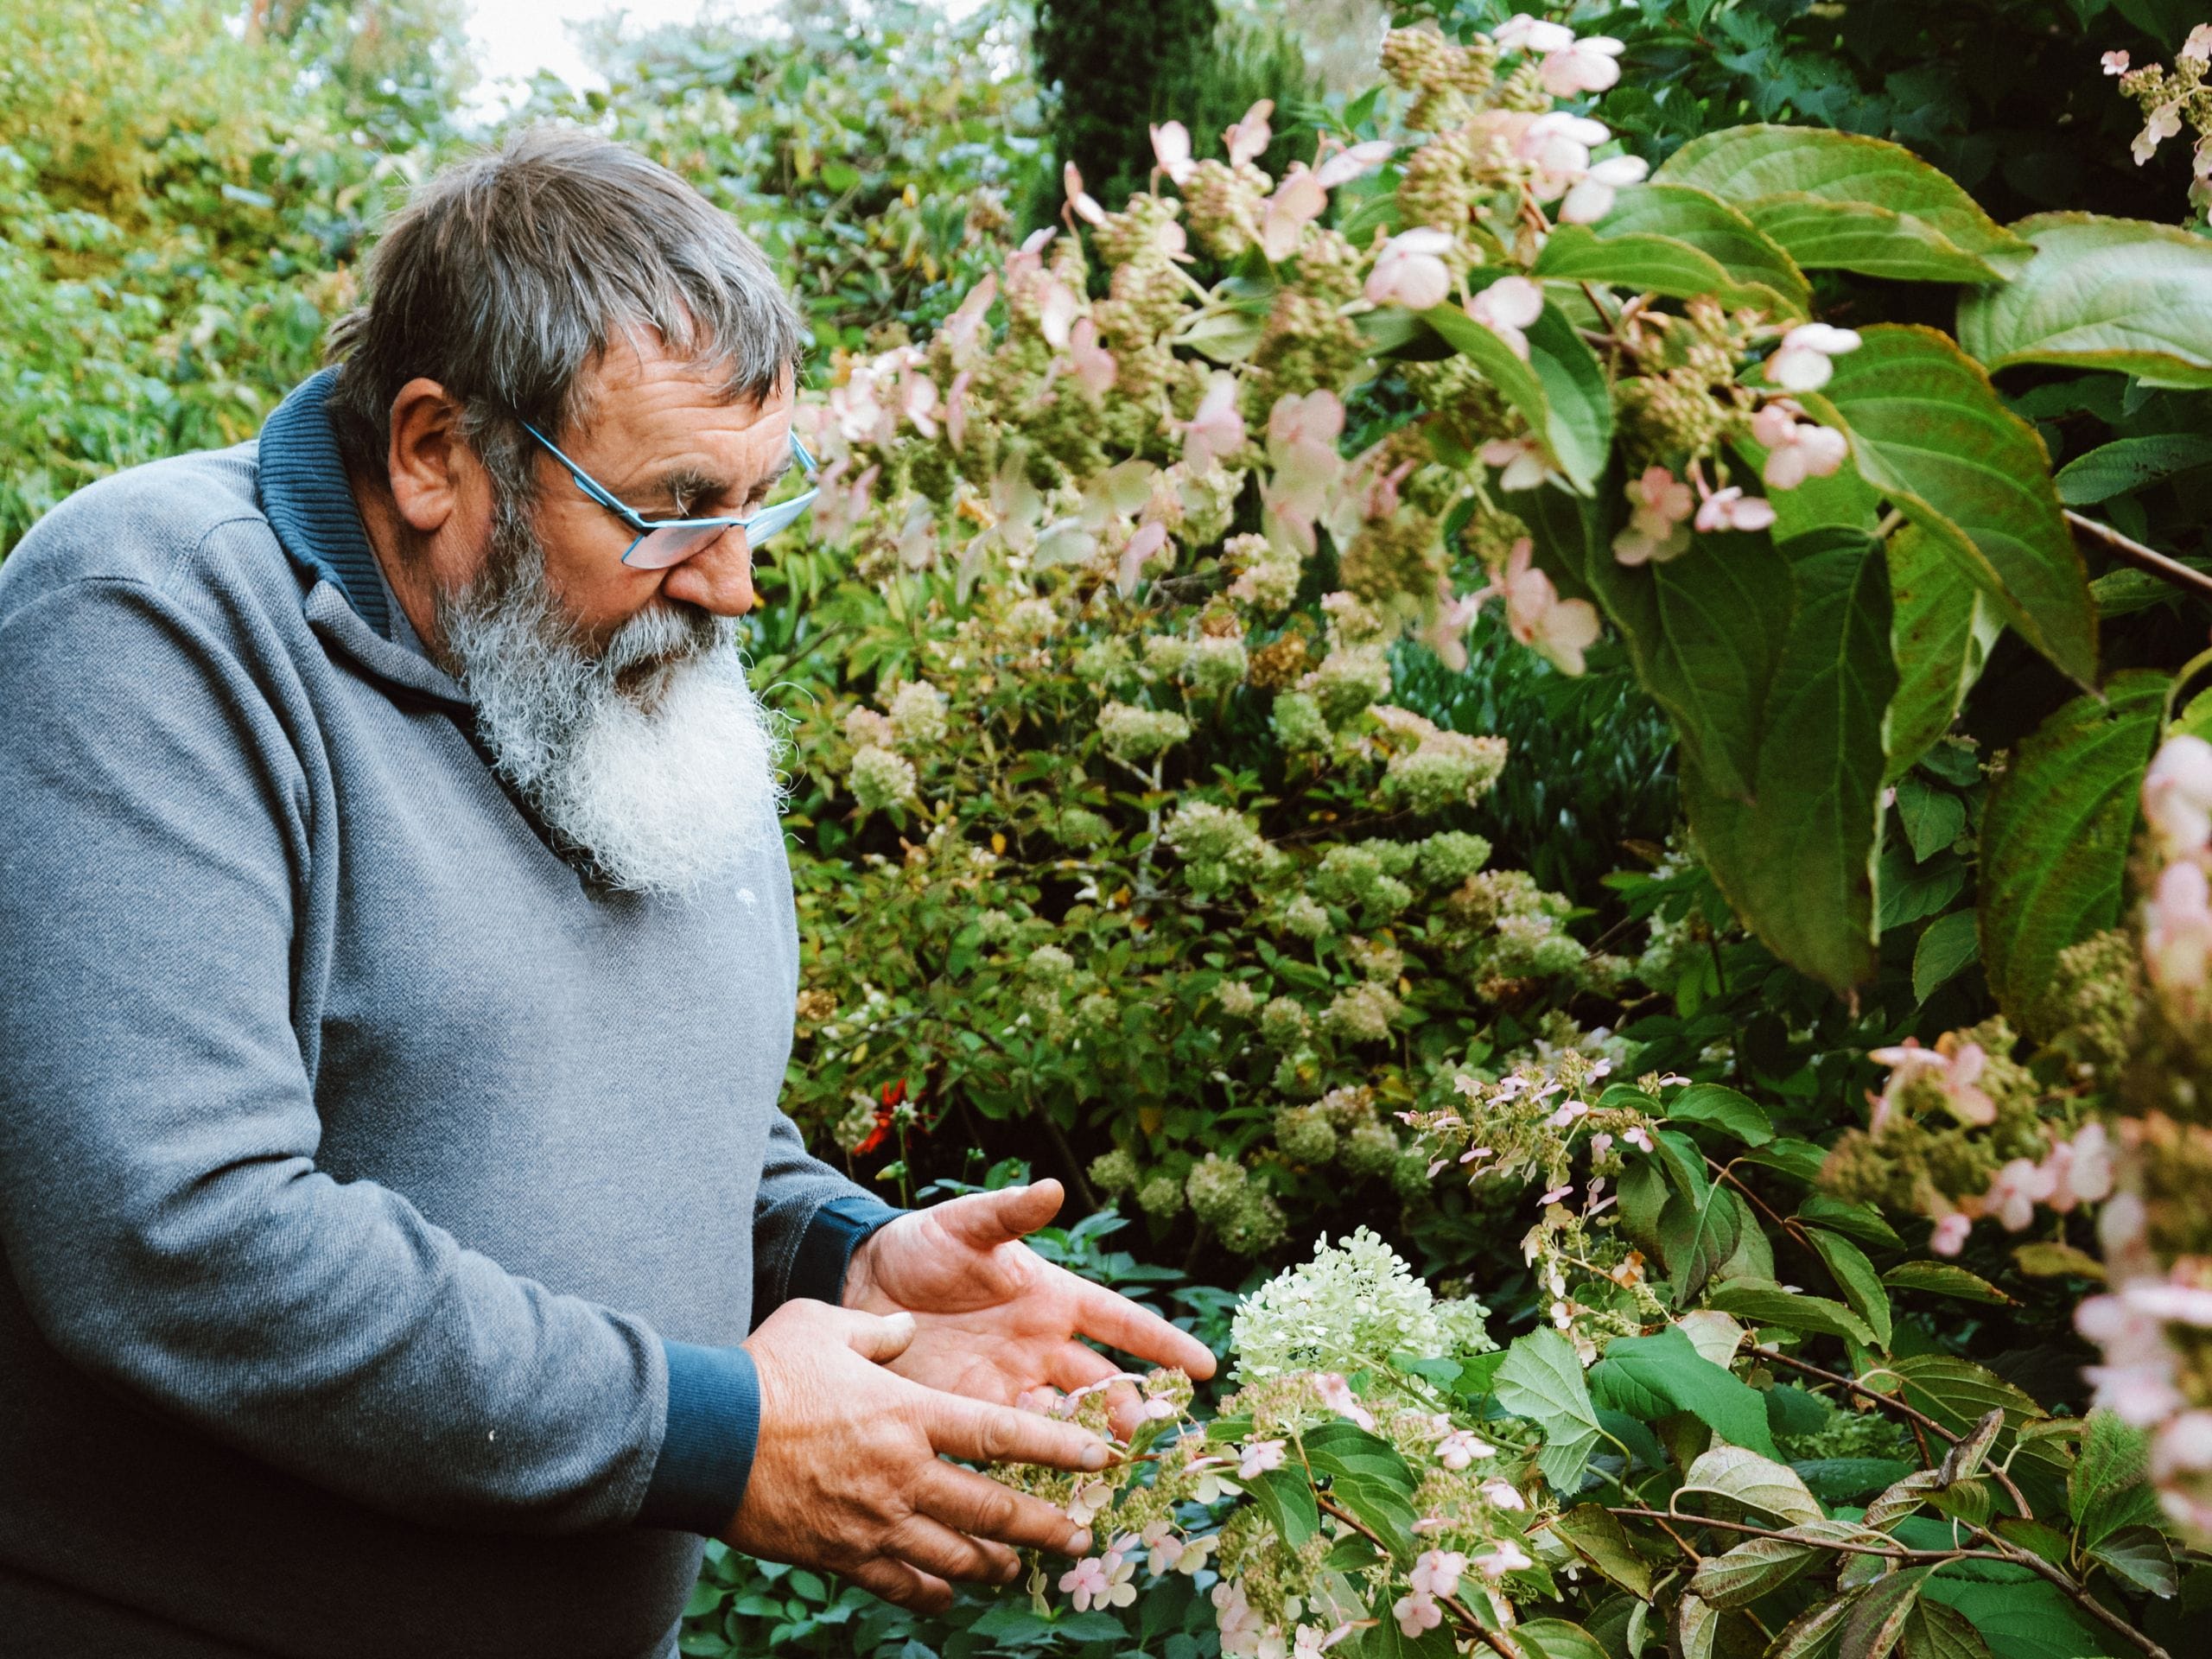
<point x="2033" y="1620"/>
<point x="2054" y="836"/>
<point x="1875" y="1624"/>
<point x="1734" y="1473"/>
<point x="1669" y="239"/>
<point x="2128" y="464"/>
<point x="1942" y="628"/>
<point x="1704" y="630"/>
<point x="1798" y="862"/>
<point x="1651" y="1377"/>
<point x="1751" y="1570"/>
<point x="1555" y="1638"/>
<point x="1543" y="1381"/>
<point x="1852" y="202"/>
<point x="1559" y="389"/>
<point x="1856" y="1277"/>
<point x="1930" y="432"/>
<point x="1767" y="1303"/>
<point x="2115" y="294"/>
<point x="1601" y="1540"/>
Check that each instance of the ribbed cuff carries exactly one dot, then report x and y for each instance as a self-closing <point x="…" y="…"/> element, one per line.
<point x="714" y="1425"/>
<point x="825" y="1249"/>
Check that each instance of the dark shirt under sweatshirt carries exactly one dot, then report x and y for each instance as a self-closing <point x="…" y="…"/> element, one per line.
<point x="383" y="1202"/>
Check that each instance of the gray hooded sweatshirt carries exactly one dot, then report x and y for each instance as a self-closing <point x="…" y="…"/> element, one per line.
<point x="382" y="1201"/>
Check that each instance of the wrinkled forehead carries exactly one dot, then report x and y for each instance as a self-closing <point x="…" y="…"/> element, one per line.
<point x="642" y="407"/>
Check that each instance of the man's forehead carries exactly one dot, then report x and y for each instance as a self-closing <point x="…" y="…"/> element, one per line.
<point x="646" y="410"/>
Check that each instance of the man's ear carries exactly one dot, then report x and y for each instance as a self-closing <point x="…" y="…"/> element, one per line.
<point x="429" y="465"/>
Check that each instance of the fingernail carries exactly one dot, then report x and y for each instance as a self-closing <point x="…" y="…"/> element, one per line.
<point x="1096" y="1458"/>
<point x="1080" y="1544"/>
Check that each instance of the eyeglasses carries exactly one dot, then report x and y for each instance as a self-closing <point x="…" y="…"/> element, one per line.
<point x="663" y="541"/>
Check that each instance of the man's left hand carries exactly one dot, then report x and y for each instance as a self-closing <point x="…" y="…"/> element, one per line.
<point x="994" y="1320"/>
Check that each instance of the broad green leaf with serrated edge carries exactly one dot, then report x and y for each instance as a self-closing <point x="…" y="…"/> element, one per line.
<point x="2033" y="1620"/>
<point x="1843" y="1480"/>
<point x="2055" y="837"/>
<point x="1766" y="1303"/>
<point x="1723" y="1108"/>
<point x="1560" y="390"/>
<point x="1873" y="241"/>
<point x="1902" y="1497"/>
<point x="1935" y="1631"/>
<point x="2115" y="294"/>
<point x="1385" y="1509"/>
<point x="1698" y="1233"/>
<point x="2128" y="464"/>
<point x="1286" y="1497"/>
<point x="1674" y="240"/>
<point x="2141" y="1555"/>
<point x="1734" y="1472"/>
<point x="1859" y="1221"/>
<point x="1345" y="1448"/>
<point x="1555" y="1638"/>
<point x="1541" y="1380"/>
<point x="1799" y="1160"/>
<point x="1797" y="860"/>
<point x="1872" y="1628"/>
<point x="2109" y="1486"/>
<point x="1918" y="226"/>
<point x="1697" y="1627"/>
<point x="1601" y="1540"/>
<point x="1862" y="1287"/>
<point x="1812" y="1634"/>
<point x="1942" y="628"/>
<point x="1667" y="1372"/>
<point x="1948" y="946"/>
<point x="1751" y="1570"/>
<point x="1943" y="1279"/>
<point x="1931" y="433"/>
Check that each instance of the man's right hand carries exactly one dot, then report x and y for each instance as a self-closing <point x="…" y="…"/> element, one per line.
<point x="846" y="1473"/>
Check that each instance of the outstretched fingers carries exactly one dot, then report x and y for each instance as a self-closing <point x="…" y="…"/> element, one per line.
<point x="980" y="1506"/>
<point x="985" y="1220"/>
<point x="1120" y="1323"/>
<point x="966" y="1428"/>
<point x="901" y="1585"/>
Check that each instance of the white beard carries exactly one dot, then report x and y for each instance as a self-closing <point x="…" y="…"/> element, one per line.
<point x="666" y="785"/>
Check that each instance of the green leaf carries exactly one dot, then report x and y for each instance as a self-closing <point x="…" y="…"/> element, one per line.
<point x="2046" y="1260"/>
<point x="1843" y="1480"/>
<point x="1946" y="948"/>
<point x="1850" y="202"/>
<point x="1745" y="1477"/>
<point x="1943" y="1279"/>
<point x="1382" y="1507"/>
<point x="1651" y="1377"/>
<point x="1935" y="1631"/>
<point x="1813" y="1633"/>
<point x="2143" y="1557"/>
<point x="2109" y="1489"/>
<point x="1796" y="860"/>
<point x="1901" y="1498"/>
<point x="1799" y="1160"/>
<point x="1672" y="239"/>
<point x="1763" y="1302"/>
<point x="1722" y="1108"/>
<point x="1932" y="818"/>
<point x="1601" y="1540"/>
<point x="1555" y="1638"/>
<point x="1698" y="1233"/>
<point x="2054" y="836"/>
<point x="1859" y="1221"/>
<point x="1286" y="1497"/>
<point x="1345" y="1448"/>
<point x="2101" y="294"/>
<point x="1943" y="629"/>
<point x="2030" y="1620"/>
<point x="1560" y="390"/>
<point x="1964" y="1460"/>
<point x="1872" y="1629"/>
<point x="2130" y="464"/>
<point x="1930" y="432"/>
<point x="1862" y="1287"/>
<point x="1697" y="1627"/>
<point x="1751" y="1570"/>
<point x="1541" y="1380"/>
<point x="1384" y="1640"/>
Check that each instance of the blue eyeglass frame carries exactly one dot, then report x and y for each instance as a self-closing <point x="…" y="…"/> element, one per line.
<point x="758" y="528"/>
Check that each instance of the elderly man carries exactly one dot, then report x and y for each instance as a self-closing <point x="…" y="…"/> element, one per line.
<point x="406" y="1255"/>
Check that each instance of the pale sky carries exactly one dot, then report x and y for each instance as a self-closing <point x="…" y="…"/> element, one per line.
<point x="516" y="38"/>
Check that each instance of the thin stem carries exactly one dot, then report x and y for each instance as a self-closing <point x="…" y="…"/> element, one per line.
<point x="1788" y="1224"/>
<point x="1919" y="1419"/>
<point x="2078" y="1594"/>
<point x="1899" y="1554"/>
<point x="2149" y="560"/>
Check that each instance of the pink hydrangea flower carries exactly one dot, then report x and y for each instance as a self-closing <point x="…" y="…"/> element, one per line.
<point x="1336" y="1393"/>
<point x="1522" y="463"/>
<point x="1248" y="139"/>
<point x="1560" y="630"/>
<point x="1259" y="1456"/>
<point x="1592" y="197"/>
<point x="1417" y="1613"/>
<point x="1171" y="149"/>
<point x="1505" y="308"/>
<point x="1348" y="164"/>
<point x="1298" y="201"/>
<point x="1522" y="33"/>
<point x="2178" y="793"/>
<point x="1437" y="1572"/>
<point x="1731" y="509"/>
<point x="1950" y="1235"/>
<point x="2115" y="63"/>
<point x="1094" y="365"/>
<point x="1589" y="65"/>
<point x="1461" y="1447"/>
<point x="1503" y="1557"/>
<point x="1409" y="270"/>
<point x="1085" y="204"/>
<point x="1803" y="361"/>
<point x="1502" y="1494"/>
<point x="2177" y="930"/>
<point x="1795" y="450"/>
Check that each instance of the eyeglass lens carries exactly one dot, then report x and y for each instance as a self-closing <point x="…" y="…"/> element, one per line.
<point x="659" y="549"/>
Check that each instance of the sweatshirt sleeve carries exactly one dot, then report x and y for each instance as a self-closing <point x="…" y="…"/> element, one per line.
<point x="160" y="1203"/>
<point x="808" y="1221"/>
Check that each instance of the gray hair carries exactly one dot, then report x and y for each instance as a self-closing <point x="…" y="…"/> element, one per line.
<point x="506" y="278"/>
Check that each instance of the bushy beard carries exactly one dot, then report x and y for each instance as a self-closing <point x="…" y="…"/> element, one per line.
<point x="651" y="756"/>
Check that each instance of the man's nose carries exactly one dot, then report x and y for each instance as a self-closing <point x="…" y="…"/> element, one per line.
<point x="717" y="578"/>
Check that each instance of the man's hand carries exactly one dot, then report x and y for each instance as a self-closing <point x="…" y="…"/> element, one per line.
<point x="994" y="1320"/>
<point x="848" y="1475"/>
